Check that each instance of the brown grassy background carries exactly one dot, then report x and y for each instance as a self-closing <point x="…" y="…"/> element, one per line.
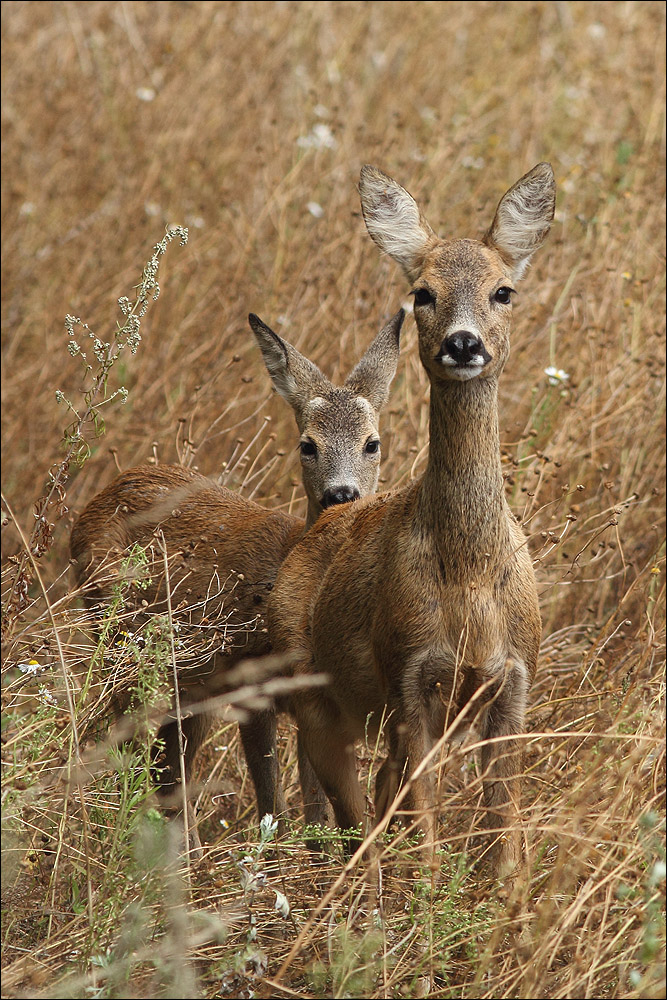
<point x="456" y="101"/>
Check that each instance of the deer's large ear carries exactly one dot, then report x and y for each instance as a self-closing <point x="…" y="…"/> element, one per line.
<point x="394" y="221"/>
<point x="523" y="218"/>
<point x="372" y="376"/>
<point x="294" y="377"/>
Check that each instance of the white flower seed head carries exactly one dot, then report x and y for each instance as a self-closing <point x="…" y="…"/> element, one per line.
<point x="556" y="376"/>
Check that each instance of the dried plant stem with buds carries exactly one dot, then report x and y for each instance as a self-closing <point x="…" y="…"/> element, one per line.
<point x="77" y="447"/>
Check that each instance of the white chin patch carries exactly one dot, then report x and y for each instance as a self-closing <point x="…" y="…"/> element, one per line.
<point x="465" y="374"/>
<point x="462" y="373"/>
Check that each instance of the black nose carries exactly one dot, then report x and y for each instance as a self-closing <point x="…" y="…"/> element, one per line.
<point x="463" y="346"/>
<point x="344" y="494"/>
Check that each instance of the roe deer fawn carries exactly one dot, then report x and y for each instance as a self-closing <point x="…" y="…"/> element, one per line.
<point x="214" y="533"/>
<point x="422" y="601"/>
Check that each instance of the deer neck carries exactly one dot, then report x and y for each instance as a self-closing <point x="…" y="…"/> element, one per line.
<point x="462" y="502"/>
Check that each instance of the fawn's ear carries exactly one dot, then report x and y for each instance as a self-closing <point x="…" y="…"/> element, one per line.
<point x="394" y="221"/>
<point x="523" y="218"/>
<point x="371" y="377"/>
<point x="294" y="377"/>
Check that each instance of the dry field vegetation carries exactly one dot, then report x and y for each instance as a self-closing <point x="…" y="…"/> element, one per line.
<point x="247" y="123"/>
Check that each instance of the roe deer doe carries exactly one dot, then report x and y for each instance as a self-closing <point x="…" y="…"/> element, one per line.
<point x="422" y="601"/>
<point x="215" y="534"/>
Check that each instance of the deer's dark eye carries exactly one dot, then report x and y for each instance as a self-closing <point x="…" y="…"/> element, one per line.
<point x="372" y="447"/>
<point x="423" y="297"/>
<point x="308" y="449"/>
<point x="503" y="295"/>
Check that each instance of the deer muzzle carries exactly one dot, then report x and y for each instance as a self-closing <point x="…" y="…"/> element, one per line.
<point x="463" y="353"/>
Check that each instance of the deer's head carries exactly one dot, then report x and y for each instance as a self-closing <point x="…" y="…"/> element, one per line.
<point x="462" y="288"/>
<point x="339" y="438"/>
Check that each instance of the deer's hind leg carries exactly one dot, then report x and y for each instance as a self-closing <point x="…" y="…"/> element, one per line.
<point x="328" y="748"/>
<point x="316" y="808"/>
<point x="258" y="736"/>
<point x="420" y="710"/>
<point x="409" y="743"/>
<point x="166" y="757"/>
<point x="501" y="764"/>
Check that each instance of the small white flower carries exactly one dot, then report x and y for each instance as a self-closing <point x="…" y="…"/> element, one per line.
<point x="319" y="137"/>
<point x="656" y="876"/>
<point x="31" y="667"/>
<point x="333" y="71"/>
<point x="282" y="905"/>
<point x="315" y="209"/>
<point x="267" y="827"/>
<point x="45" y="696"/>
<point x="556" y="376"/>
<point x="596" y="31"/>
<point x="27" y="208"/>
<point x="145" y="93"/>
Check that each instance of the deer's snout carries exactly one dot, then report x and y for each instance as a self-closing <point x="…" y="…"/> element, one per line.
<point x="344" y="494"/>
<point x="463" y="348"/>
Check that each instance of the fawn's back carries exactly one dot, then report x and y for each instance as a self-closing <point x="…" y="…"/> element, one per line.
<point x="223" y="550"/>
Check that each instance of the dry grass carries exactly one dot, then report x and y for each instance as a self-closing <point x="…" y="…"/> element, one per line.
<point x="120" y="118"/>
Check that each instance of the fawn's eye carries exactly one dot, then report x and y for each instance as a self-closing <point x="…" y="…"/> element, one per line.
<point x="423" y="297"/>
<point x="308" y="449"/>
<point x="503" y="295"/>
<point x="372" y="447"/>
